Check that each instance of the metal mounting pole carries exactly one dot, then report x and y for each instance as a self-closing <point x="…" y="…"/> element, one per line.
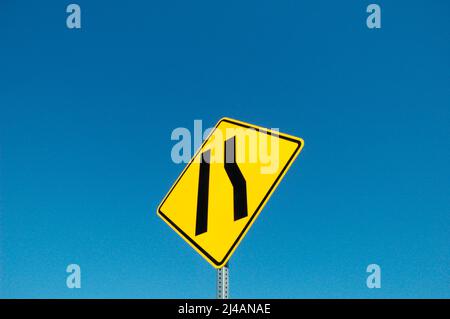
<point x="223" y="282"/>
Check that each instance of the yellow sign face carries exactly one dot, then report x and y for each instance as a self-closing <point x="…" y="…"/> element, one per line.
<point x="222" y="190"/>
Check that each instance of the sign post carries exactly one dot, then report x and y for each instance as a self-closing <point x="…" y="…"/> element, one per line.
<point x="223" y="282"/>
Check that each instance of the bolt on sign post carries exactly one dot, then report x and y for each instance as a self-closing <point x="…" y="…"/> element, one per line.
<point x="224" y="187"/>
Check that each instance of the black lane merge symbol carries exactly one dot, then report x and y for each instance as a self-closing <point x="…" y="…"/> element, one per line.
<point x="236" y="179"/>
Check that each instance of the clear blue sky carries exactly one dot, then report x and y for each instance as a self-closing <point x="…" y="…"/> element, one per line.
<point x="85" y="123"/>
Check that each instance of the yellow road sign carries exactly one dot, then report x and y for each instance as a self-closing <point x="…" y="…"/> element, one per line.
<point x="222" y="190"/>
